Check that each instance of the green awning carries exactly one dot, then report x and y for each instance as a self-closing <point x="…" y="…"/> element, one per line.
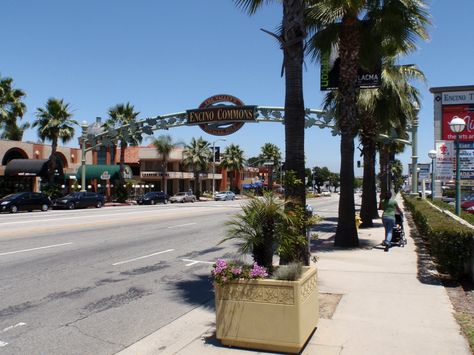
<point x="103" y="172"/>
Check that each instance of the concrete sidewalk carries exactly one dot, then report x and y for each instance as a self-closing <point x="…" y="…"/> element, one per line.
<point x="387" y="306"/>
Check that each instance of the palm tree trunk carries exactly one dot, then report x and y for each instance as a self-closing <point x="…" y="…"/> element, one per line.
<point x="52" y="160"/>
<point x="368" y="209"/>
<point x="123" y="146"/>
<point x="384" y="159"/>
<point x="164" y="171"/>
<point x="346" y="233"/>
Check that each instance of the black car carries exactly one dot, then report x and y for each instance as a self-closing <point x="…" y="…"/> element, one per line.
<point x="151" y="198"/>
<point x="25" y="201"/>
<point x="81" y="199"/>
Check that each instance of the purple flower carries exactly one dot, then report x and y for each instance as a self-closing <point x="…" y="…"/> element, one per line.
<point x="236" y="270"/>
<point x="258" y="271"/>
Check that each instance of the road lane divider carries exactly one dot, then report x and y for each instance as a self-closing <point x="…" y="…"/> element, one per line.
<point x="21" y="324"/>
<point x="142" y="257"/>
<point x="33" y="249"/>
<point x="182" y="225"/>
<point x="193" y="262"/>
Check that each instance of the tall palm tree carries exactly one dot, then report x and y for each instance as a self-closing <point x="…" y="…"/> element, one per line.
<point x="350" y="24"/>
<point x="11" y="108"/>
<point x="164" y="145"/>
<point x="292" y="41"/>
<point x="233" y="160"/>
<point x="54" y="123"/>
<point x="271" y="153"/>
<point x="122" y="119"/>
<point x="197" y="155"/>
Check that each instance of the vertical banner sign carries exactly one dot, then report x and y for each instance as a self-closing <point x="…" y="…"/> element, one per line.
<point x="444" y="160"/>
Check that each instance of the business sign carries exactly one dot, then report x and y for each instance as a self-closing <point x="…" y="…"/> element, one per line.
<point x="221" y="115"/>
<point x="105" y="176"/>
<point x="423" y="170"/>
<point x="444" y="160"/>
<point x="457" y="98"/>
<point x="466" y="112"/>
<point x="330" y="71"/>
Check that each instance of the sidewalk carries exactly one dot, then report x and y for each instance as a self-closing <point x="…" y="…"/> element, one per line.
<point x="386" y="307"/>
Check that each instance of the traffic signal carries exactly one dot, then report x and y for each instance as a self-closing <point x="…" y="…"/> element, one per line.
<point x="358" y="163"/>
<point x="217" y="154"/>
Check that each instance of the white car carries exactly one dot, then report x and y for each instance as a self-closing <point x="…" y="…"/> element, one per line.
<point x="183" y="197"/>
<point x="224" y="196"/>
<point x="325" y="193"/>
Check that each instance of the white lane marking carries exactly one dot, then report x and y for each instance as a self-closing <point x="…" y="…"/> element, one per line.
<point x="142" y="257"/>
<point x="193" y="262"/>
<point x="21" y="324"/>
<point x="32" y="249"/>
<point x="2" y="344"/>
<point x="182" y="225"/>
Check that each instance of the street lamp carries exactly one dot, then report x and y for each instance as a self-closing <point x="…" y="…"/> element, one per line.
<point x="457" y="125"/>
<point x="83" y="161"/>
<point x="432" y="155"/>
<point x="214" y="163"/>
<point x="414" y="146"/>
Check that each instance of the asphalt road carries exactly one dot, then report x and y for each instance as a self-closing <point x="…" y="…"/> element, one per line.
<point x="95" y="281"/>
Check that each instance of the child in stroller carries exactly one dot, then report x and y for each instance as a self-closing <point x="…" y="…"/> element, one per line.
<point x="398" y="233"/>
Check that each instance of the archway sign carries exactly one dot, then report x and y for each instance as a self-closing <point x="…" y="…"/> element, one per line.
<point x="217" y="115"/>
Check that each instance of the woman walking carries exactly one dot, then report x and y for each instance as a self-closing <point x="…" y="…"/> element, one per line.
<point x="389" y="207"/>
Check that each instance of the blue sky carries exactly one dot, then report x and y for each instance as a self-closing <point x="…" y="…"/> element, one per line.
<point x="168" y="56"/>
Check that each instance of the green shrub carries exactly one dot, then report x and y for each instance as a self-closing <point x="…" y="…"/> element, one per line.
<point x="449" y="241"/>
<point x="290" y="272"/>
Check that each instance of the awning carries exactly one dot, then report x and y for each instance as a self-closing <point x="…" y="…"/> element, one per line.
<point x="253" y="185"/>
<point x="103" y="172"/>
<point x="27" y="167"/>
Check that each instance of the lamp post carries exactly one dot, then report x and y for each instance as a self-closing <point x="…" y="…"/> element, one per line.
<point x="214" y="163"/>
<point x="432" y="155"/>
<point x="83" y="161"/>
<point x="457" y="125"/>
<point x="414" y="146"/>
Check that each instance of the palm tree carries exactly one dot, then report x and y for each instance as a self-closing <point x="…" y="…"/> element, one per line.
<point x="164" y="145"/>
<point x="233" y="160"/>
<point x="54" y="122"/>
<point x="122" y="119"/>
<point x="292" y="41"/>
<point x="197" y="154"/>
<point x="11" y="108"/>
<point x="271" y="153"/>
<point x="348" y="25"/>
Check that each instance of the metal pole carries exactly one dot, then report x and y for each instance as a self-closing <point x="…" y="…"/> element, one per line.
<point x="83" y="162"/>
<point x="432" y="180"/>
<point x="213" y="168"/>
<point x="458" y="182"/>
<point x="414" y="157"/>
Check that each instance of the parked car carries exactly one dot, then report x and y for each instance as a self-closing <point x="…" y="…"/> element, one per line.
<point x="224" y="196"/>
<point x="81" y="199"/>
<point x="153" y="197"/>
<point x="468" y="206"/>
<point x="326" y="194"/>
<point x="25" y="201"/>
<point x="183" y="197"/>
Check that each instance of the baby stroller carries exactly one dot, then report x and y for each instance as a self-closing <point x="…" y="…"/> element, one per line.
<point x="398" y="233"/>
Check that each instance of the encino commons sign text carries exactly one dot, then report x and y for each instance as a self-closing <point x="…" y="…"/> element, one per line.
<point x="221" y="114"/>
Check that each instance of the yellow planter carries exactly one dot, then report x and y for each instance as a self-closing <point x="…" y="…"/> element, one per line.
<point x="268" y="314"/>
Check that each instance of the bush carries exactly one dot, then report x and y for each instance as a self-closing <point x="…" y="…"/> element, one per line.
<point x="449" y="241"/>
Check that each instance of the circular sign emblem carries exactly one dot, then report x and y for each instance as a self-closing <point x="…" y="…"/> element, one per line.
<point x="223" y="114"/>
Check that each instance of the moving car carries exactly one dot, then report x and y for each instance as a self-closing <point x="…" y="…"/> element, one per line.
<point x="224" y="196"/>
<point x="80" y="199"/>
<point x="183" y="197"/>
<point x="25" y="201"/>
<point x="153" y="197"/>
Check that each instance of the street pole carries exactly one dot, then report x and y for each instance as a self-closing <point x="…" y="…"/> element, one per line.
<point x="432" y="154"/>
<point x="457" y="125"/>
<point x="214" y="164"/>
<point x="83" y="161"/>
<point x="414" y="156"/>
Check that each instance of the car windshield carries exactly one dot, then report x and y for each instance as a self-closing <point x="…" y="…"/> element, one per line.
<point x="149" y="194"/>
<point x="73" y="195"/>
<point x="11" y="196"/>
<point x="180" y="194"/>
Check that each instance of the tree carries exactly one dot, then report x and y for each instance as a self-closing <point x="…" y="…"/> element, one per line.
<point x="53" y="123"/>
<point x="11" y="109"/>
<point x="233" y="160"/>
<point x="270" y="153"/>
<point x="320" y="176"/>
<point x="197" y="154"/>
<point x="349" y="25"/>
<point x="164" y="145"/>
<point x="122" y="120"/>
<point x="335" y="181"/>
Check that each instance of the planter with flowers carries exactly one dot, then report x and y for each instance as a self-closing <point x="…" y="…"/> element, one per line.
<point x="260" y="306"/>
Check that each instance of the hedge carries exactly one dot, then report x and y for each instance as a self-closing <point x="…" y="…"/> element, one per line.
<point x="449" y="240"/>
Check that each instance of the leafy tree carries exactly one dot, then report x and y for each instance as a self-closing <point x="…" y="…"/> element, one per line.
<point x="271" y="153"/>
<point x="358" y="182"/>
<point x="309" y="177"/>
<point x="320" y="176"/>
<point x="397" y="175"/>
<point x="12" y="108"/>
<point x="164" y="145"/>
<point x="335" y="181"/>
<point x="233" y="160"/>
<point x="54" y="123"/>
<point x="197" y="154"/>
<point x="122" y="121"/>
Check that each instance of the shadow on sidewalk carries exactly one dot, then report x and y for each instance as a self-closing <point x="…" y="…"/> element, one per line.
<point x="197" y="291"/>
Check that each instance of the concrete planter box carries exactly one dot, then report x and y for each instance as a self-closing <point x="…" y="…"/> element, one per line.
<point x="268" y="314"/>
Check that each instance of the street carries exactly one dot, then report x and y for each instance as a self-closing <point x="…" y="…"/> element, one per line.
<point x="97" y="280"/>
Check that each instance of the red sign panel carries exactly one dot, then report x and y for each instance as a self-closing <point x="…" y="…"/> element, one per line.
<point x="465" y="112"/>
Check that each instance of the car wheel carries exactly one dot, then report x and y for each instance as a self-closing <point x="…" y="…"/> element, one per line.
<point x="13" y="209"/>
<point x="182" y="201"/>
<point x="98" y="204"/>
<point x="193" y="200"/>
<point x="165" y="201"/>
<point x="44" y="207"/>
<point x="152" y="202"/>
<point x="71" y="205"/>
